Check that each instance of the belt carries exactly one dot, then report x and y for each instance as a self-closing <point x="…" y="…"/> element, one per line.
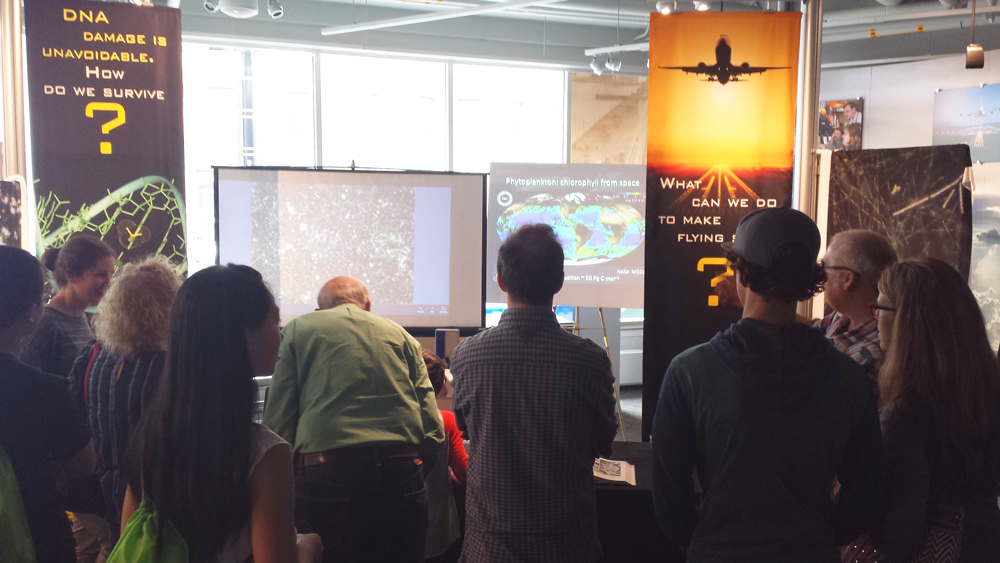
<point x="374" y="453"/>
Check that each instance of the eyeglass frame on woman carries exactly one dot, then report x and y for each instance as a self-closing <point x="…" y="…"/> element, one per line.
<point x="877" y="309"/>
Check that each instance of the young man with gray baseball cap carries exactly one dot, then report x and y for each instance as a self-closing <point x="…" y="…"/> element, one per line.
<point x="766" y="415"/>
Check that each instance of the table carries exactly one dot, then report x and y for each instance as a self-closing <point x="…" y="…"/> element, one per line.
<point x="626" y="523"/>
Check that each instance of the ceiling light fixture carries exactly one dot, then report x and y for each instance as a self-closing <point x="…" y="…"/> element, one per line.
<point x="664" y="7"/>
<point x="700" y="6"/>
<point x="274" y="9"/>
<point x="241" y="9"/>
<point x="596" y="67"/>
<point x="212" y="6"/>
<point x="481" y="9"/>
<point x="974" y="57"/>
<point x="613" y="64"/>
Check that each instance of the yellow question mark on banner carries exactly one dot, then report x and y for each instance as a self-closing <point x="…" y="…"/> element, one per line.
<point x="107" y="127"/>
<point x="713" y="300"/>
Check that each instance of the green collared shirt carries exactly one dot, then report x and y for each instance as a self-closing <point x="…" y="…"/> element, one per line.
<point x="348" y="377"/>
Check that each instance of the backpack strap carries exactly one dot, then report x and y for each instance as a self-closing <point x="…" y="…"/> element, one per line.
<point x="86" y="374"/>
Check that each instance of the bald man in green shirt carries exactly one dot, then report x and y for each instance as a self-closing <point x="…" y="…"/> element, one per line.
<point x="351" y="394"/>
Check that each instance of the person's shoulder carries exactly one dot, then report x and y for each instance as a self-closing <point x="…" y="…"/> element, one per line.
<point x="448" y="418"/>
<point x="826" y="322"/>
<point x="588" y="349"/>
<point x="30" y="380"/>
<point x="51" y="323"/>
<point x="470" y="343"/>
<point x="848" y="369"/>
<point x="693" y="357"/>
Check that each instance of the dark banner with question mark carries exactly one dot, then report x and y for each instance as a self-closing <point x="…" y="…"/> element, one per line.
<point x="721" y="144"/>
<point x="107" y="144"/>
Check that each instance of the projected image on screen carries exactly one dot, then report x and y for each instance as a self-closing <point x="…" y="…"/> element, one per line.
<point x="379" y="245"/>
<point x="598" y="214"/>
<point x="592" y="228"/>
<point x="394" y="232"/>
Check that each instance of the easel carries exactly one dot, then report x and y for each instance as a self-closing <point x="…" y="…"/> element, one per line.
<point x="607" y="348"/>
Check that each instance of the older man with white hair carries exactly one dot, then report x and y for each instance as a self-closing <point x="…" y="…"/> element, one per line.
<point x="854" y="261"/>
<point x="351" y="393"/>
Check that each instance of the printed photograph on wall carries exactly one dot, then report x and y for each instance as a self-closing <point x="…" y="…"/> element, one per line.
<point x="10" y="214"/>
<point x="969" y="116"/>
<point x="840" y="124"/>
<point x="985" y="279"/>
<point x="917" y="197"/>
<point x="608" y="119"/>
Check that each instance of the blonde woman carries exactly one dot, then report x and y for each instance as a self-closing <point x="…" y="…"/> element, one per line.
<point x="115" y="379"/>
<point x="940" y="390"/>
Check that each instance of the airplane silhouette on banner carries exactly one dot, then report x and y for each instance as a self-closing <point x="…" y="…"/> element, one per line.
<point x="723" y="70"/>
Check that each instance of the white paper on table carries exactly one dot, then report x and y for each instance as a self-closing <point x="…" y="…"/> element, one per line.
<point x="610" y="470"/>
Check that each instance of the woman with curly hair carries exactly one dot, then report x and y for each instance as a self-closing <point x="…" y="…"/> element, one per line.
<point x="114" y="380"/>
<point x="940" y="389"/>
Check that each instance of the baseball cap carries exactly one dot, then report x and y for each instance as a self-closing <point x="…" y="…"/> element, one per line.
<point x="761" y="233"/>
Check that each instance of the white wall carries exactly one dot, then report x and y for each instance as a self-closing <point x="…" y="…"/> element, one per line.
<point x="899" y="99"/>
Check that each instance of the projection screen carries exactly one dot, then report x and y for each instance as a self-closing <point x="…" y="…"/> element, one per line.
<point x="598" y="212"/>
<point x="415" y="239"/>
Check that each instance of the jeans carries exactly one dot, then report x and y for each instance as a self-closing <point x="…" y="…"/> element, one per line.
<point x="371" y="510"/>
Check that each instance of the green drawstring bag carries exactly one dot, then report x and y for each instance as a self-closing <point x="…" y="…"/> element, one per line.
<point x="144" y="542"/>
<point x="15" y="537"/>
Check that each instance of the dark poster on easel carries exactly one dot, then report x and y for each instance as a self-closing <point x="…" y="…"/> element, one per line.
<point x="915" y="196"/>
<point x="107" y="145"/>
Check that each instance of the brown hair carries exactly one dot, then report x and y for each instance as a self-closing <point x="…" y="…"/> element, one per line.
<point x="79" y="254"/>
<point x="939" y="354"/>
<point x="135" y="314"/>
<point x="794" y="275"/>
<point x="854" y="130"/>
<point x="435" y="370"/>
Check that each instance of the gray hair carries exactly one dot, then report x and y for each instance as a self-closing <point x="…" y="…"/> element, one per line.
<point x="341" y="290"/>
<point x="866" y="252"/>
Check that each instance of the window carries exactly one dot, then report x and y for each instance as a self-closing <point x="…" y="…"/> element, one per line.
<point x="384" y="113"/>
<point x="282" y="109"/>
<point x="255" y="107"/>
<point x="508" y="115"/>
<point x="241" y="107"/>
<point x="212" y="137"/>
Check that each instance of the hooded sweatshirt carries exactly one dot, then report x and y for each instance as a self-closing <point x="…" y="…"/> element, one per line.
<point x="766" y="417"/>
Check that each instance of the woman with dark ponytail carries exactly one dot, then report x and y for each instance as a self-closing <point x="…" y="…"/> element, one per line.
<point x="82" y="269"/>
<point x="39" y="422"/>
<point x="197" y="459"/>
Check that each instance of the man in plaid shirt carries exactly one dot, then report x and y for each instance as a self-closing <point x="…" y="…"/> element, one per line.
<point x="537" y="404"/>
<point x="854" y="262"/>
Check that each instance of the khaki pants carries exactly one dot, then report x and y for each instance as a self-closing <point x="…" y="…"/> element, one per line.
<point x="93" y="538"/>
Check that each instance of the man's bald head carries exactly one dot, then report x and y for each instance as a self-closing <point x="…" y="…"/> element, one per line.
<point x="866" y="252"/>
<point x="341" y="290"/>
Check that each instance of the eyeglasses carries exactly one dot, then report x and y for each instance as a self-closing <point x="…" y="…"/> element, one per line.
<point x="877" y="310"/>
<point x="846" y="269"/>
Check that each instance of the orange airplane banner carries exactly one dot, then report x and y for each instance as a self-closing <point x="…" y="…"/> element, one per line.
<point x="721" y="143"/>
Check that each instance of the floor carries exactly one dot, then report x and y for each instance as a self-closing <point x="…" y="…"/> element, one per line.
<point x="631" y="399"/>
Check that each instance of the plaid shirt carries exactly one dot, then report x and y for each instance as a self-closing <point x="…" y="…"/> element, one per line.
<point x="861" y="343"/>
<point x="537" y="404"/>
